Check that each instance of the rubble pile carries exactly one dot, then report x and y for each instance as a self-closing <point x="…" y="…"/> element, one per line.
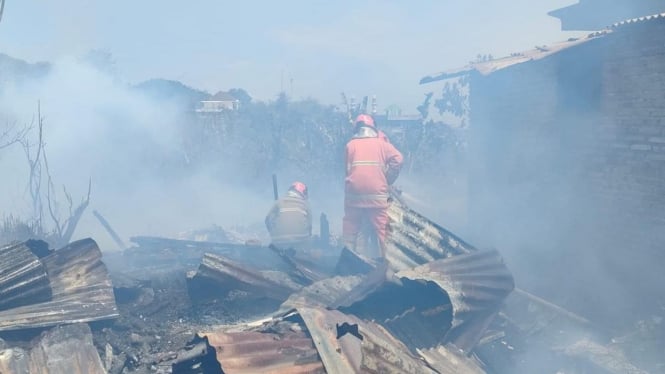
<point x="209" y="304"/>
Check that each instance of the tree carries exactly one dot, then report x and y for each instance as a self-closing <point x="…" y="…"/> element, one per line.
<point x="241" y="95"/>
<point x="63" y="228"/>
<point x="101" y="60"/>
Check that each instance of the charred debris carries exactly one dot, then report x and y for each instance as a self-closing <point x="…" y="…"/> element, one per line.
<point x="186" y="306"/>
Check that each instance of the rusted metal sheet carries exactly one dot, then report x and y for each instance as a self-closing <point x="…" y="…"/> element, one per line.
<point x="290" y="352"/>
<point x="446" y="361"/>
<point x="347" y="344"/>
<point x="229" y="275"/>
<point x="63" y="349"/>
<point x="477" y="283"/>
<point x="313" y="340"/>
<point x="23" y="278"/>
<point x="323" y="293"/>
<point x="80" y="286"/>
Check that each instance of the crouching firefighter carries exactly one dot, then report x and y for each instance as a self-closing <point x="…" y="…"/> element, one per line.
<point x="372" y="165"/>
<point x="289" y="221"/>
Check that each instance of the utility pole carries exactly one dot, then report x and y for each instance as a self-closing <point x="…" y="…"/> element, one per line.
<point x="281" y="81"/>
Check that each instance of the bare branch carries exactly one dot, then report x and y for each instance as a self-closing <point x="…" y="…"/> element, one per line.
<point x="11" y="135"/>
<point x="2" y="8"/>
<point x="51" y="209"/>
<point x="35" y="176"/>
<point x="74" y="218"/>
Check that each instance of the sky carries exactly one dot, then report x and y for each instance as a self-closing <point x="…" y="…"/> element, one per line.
<point x="308" y="48"/>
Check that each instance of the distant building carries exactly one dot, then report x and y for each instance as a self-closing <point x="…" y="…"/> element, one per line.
<point x="219" y="102"/>
<point x="395" y="124"/>
<point x="600" y="14"/>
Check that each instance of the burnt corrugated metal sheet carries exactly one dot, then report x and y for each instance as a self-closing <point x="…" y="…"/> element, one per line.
<point x="347" y="344"/>
<point x="292" y="352"/>
<point x="23" y="278"/>
<point x="230" y="275"/>
<point x="323" y="293"/>
<point x="414" y="239"/>
<point x="81" y="290"/>
<point x="477" y="283"/>
<point x="418" y="313"/>
<point x="446" y="361"/>
<point x="63" y="349"/>
<point x="470" y="285"/>
<point x="314" y="340"/>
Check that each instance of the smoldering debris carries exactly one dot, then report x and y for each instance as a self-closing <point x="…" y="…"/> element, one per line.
<point x="192" y="306"/>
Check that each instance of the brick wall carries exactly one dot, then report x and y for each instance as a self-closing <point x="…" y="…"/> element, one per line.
<point x="567" y="170"/>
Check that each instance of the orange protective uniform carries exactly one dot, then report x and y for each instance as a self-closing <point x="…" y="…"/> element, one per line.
<point x="372" y="164"/>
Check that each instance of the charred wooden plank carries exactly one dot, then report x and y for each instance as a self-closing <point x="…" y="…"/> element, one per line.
<point x="229" y="275"/>
<point x="158" y="242"/>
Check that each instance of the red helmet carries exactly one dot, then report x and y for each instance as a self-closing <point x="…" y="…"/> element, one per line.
<point x="299" y="187"/>
<point x="364" y="120"/>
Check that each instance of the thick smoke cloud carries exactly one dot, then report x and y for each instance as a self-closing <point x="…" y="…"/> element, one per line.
<point x="128" y="144"/>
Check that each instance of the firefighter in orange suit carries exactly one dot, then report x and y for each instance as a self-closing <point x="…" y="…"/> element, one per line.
<point x="289" y="221"/>
<point x="372" y="164"/>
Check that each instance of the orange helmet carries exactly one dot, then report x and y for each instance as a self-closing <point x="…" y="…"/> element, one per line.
<point x="299" y="187"/>
<point x="365" y="120"/>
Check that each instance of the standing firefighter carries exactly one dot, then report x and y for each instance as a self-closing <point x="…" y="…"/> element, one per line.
<point x="372" y="164"/>
<point x="290" y="220"/>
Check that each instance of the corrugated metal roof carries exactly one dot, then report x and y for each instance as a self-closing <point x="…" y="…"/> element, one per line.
<point x="489" y="67"/>
<point x="599" y="14"/>
<point x="654" y="17"/>
<point x="81" y="290"/>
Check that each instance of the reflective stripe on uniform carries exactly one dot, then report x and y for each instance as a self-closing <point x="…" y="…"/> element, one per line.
<point x="365" y="163"/>
<point x="289" y="237"/>
<point x="293" y="210"/>
<point x="359" y="196"/>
